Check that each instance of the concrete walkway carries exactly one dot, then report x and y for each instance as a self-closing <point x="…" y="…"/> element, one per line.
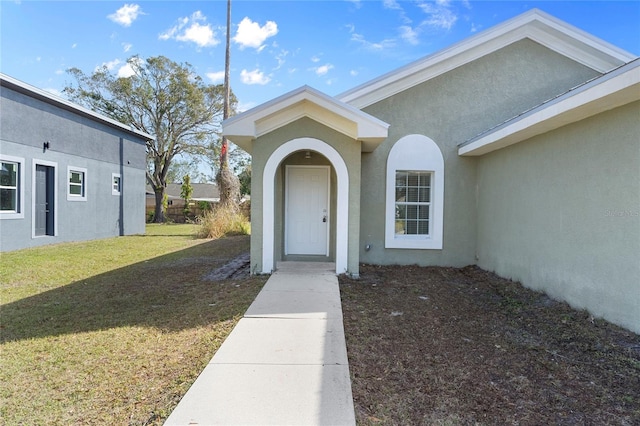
<point x="285" y="362"/>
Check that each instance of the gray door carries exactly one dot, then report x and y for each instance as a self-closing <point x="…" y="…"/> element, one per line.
<point x="44" y="207"/>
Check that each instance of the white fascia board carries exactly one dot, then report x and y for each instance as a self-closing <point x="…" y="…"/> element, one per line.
<point x="242" y="129"/>
<point x="585" y="45"/>
<point x="534" y="24"/>
<point x="34" y="92"/>
<point x="620" y="87"/>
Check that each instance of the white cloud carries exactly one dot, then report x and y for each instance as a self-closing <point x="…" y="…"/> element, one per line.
<point x="254" y="77"/>
<point x="251" y="34"/>
<point x="126" y="14"/>
<point x="127" y="46"/>
<point x="395" y="5"/>
<point x="111" y="65"/>
<point x="125" y="71"/>
<point x="408" y="34"/>
<point x="440" y="15"/>
<point x="59" y="72"/>
<point x="192" y="29"/>
<point x="322" y="70"/>
<point x="281" y="58"/>
<point x="353" y="73"/>
<point x="74" y="45"/>
<point x="382" y="45"/>
<point x="215" y="77"/>
<point x="245" y="106"/>
<point x="202" y="35"/>
<point x="391" y="4"/>
<point x="315" y="59"/>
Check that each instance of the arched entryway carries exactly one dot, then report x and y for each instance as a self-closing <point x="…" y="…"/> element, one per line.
<point x="342" y="199"/>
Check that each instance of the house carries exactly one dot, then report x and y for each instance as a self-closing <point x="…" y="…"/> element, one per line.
<point x="207" y="192"/>
<point x="67" y="173"/>
<point x="517" y="150"/>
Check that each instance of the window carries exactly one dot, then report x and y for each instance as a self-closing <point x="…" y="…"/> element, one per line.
<point x="11" y="187"/>
<point x="77" y="184"/>
<point x="413" y="203"/>
<point x="414" y="194"/>
<point x="116" y="184"/>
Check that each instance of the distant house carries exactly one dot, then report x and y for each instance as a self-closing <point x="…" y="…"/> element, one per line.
<point x="202" y="192"/>
<point x="517" y="150"/>
<point x="67" y="173"/>
<point x="207" y="192"/>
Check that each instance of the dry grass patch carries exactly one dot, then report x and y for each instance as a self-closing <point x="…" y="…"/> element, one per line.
<point x="114" y="331"/>
<point x="223" y="221"/>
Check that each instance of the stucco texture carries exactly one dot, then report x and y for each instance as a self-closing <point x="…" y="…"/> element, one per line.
<point x="263" y="148"/>
<point x="561" y="213"/>
<point x="450" y="109"/>
<point x="78" y="142"/>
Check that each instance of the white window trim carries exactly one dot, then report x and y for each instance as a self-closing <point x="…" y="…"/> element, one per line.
<point x="415" y="153"/>
<point x="73" y="197"/>
<point x="21" y="182"/>
<point x="56" y="206"/>
<point x="113" y="176"/>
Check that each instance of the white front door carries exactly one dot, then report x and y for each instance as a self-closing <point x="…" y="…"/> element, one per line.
<point x="307" y="210"/>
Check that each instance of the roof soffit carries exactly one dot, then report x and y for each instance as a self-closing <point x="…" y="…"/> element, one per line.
<point x="535" y="25"/>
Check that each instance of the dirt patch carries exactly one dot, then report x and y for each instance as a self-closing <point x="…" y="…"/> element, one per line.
<point x="463" y="346"/>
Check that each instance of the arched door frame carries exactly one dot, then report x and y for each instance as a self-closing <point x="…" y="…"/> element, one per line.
<point x="268" y="199"/>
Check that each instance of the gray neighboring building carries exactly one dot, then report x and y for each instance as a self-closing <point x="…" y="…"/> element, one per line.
<point x="67" y="173"/>
<point x="517" y="150"/>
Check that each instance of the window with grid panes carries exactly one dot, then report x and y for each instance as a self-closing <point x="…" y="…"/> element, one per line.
<point x="412" y="203"/>
<point x="76" y="183"/>
<point x="116" y="184"/>
<point x="9" y="186"/>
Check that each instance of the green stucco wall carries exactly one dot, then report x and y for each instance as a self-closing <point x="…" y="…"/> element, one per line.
<point x="263" y="147"/>
<point x="450" y="109"/>
<point x="561" y="213"/>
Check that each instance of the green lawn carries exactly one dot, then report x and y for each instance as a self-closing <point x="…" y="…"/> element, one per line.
<point x="113" y="331"/>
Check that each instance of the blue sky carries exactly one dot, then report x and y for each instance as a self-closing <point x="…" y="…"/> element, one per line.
<point x="277" y="45"/>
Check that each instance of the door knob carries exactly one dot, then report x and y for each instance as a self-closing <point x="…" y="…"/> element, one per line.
<point x="324" y="218"/>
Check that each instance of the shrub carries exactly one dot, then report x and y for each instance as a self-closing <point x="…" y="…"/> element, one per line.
<point x="204" y="205"/>
<point x="223" y="221"/>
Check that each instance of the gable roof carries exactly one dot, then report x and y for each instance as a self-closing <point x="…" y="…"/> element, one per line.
<point x="616" y="88"/>
<point x="534" y="24"/>
<point x="305" y="101"/>
<point x="36" y="93"/>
